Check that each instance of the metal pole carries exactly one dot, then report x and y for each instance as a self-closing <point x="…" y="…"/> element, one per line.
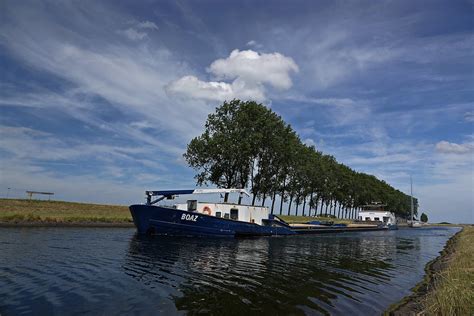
<point x="411" y="199"/>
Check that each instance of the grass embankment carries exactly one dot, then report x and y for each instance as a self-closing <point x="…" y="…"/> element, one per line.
<point x="37" y="211"/>
<point x="452" y="292"/>
<point x="291" y="219"/>
<point x="448" y="287"/>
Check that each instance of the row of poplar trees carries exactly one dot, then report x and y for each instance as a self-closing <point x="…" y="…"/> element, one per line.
<point x="246" y="145"/>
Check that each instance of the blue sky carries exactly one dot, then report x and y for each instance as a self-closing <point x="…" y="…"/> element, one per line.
<point x="99" y="99"/>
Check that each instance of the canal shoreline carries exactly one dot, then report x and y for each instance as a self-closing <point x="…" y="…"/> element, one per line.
<point x="415" y="303"/>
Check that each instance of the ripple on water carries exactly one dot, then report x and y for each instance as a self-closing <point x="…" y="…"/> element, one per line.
<point x="113" y="271"/>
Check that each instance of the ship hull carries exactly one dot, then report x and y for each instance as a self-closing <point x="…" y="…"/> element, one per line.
<point x="160" y="220"/>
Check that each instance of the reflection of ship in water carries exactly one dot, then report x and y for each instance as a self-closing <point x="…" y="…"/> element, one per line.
<point x="276" y="275"/>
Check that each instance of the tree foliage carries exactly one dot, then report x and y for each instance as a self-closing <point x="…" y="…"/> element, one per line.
<point x="246" y="145"/>
<point x="424" y="217"/>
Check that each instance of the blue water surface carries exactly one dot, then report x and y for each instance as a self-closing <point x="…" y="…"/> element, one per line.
<point x="110" y="271"/>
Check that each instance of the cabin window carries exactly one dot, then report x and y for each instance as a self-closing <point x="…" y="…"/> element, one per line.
<point x="385" y="219"/>
<point x="192" y="205"/>
<point x="226" y="215"/>
<point x="376" y="219"/>
<point x="218" y="214"/>
<point x="367" y="218"/>
<point x="234" y="214"/>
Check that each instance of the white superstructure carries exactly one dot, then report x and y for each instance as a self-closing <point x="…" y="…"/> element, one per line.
<point x="245" y="213"/>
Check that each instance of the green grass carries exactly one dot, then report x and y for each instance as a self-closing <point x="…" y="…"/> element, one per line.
<point x="303" y="219"/>
<point x="453" y="292"/>
<point x="59" y="211"/>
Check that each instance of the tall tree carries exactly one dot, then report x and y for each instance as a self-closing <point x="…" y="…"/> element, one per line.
<point x="246" y="145"/>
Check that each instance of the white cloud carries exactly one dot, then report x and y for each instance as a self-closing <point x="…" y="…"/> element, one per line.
<point x="453" y="148"/>
<point x="195" y="88"/>
<point x="248" y="71"/>
<point x="251" y="66"/>
<point x="192" y="87"/>
<point x="255" y="44"/>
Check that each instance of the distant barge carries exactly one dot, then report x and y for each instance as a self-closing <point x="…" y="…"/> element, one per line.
<point x="195" y="218"/>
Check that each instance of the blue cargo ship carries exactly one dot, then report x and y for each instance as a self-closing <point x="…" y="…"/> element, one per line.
<point x="195" y="218"/>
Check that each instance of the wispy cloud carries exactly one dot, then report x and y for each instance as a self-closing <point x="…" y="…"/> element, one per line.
<point x="469" y="116"/>
<point x="254" y="44"/>
<point x="453" y="148"/>
<point x="131" y="78"/>
<point x="137" y="31"/>
<point x="112" y="99"/>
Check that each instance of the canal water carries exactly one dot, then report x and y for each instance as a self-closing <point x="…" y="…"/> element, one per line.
<point x="110" y="271"/>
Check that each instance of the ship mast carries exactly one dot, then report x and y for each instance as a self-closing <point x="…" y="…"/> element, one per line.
<point x="411" y="200"/>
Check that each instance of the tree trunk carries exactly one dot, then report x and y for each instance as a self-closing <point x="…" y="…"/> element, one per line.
<point x="297" y="205"/>
<point x="264" y="198"/>
<point x="289" y="205"/>
<point x="321" y="209"/>
<point x="326" y="210"/>
<point x="304" y="204"/>
<point x="339" y="211"/>
<point x="273" y="201"/>
<point x="281" y="202"/>
<point x="282" y="195"/>
<point x="253" y="199"/>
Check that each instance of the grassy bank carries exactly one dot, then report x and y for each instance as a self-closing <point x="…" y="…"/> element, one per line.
<point x="303" y="219"/>
<point x="18" y="211"/>
<point x="452" y="292"/>
<point x="448" y="287"/>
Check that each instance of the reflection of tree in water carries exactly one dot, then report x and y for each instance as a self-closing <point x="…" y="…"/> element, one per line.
<point x="276" y="275"/>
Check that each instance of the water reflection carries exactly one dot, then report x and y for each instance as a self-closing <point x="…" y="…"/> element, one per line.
<point x="307" y="274"/>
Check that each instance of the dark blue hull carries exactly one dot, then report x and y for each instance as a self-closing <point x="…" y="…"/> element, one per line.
<point x="159" y="220"/>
